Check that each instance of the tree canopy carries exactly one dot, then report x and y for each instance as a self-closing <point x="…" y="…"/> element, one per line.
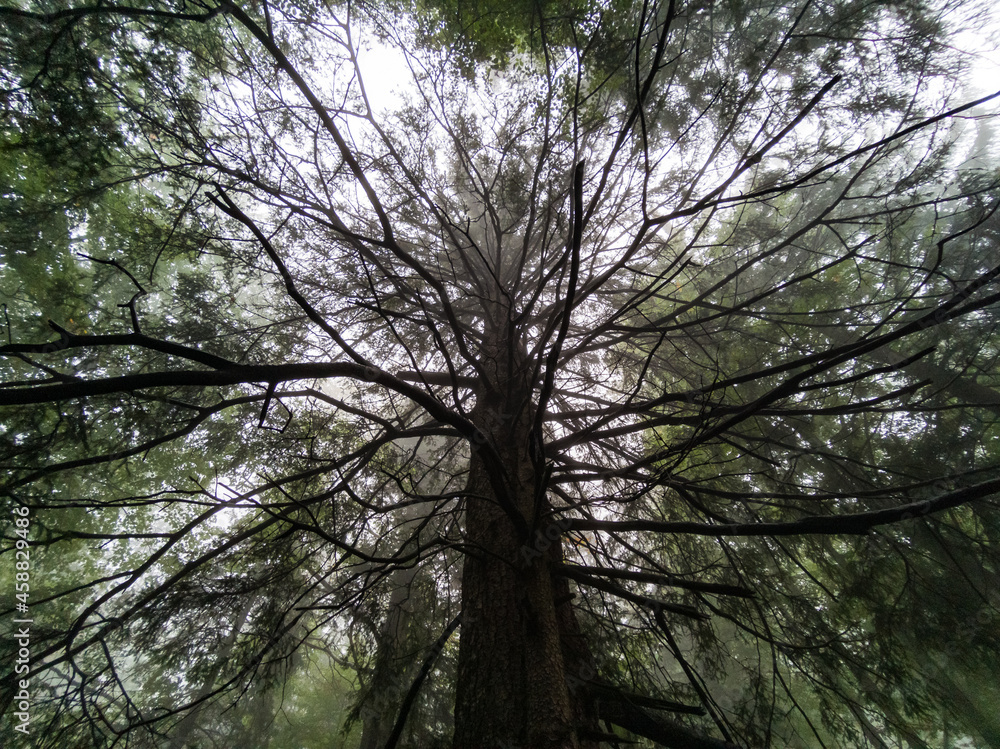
<point x="633" y="378"/>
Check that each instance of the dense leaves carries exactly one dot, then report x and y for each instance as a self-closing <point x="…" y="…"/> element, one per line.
<point x="651" y="348"/>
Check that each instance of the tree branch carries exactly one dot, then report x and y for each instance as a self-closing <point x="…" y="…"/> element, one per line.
<point x="829" y="525"/>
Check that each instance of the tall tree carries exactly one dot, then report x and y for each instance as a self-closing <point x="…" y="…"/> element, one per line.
<point x="695" y="302"/>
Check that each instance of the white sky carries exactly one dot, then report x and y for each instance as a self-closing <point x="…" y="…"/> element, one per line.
<point x="386" y="74"/>
<point x="985" y="78"/>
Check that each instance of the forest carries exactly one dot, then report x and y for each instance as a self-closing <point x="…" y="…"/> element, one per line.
<point x="539" y="374"/>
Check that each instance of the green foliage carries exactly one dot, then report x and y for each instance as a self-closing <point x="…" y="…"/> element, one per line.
<point x="269" y="561"/>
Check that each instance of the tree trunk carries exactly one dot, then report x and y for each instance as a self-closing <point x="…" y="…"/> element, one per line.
<point x="391" y="665"/>
<point x="187" y="727"/>
<point x="398" y="648"/>
<point x="513" y="688"/>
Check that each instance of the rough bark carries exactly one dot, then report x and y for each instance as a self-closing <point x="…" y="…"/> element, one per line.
<point x="511" y="681"/>
<point x="512" y="686"/>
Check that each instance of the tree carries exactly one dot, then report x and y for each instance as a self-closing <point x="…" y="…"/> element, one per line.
<point x="657" y="363"/>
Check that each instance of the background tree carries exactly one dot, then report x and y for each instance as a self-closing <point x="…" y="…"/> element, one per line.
<point x="658" y="363"/>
